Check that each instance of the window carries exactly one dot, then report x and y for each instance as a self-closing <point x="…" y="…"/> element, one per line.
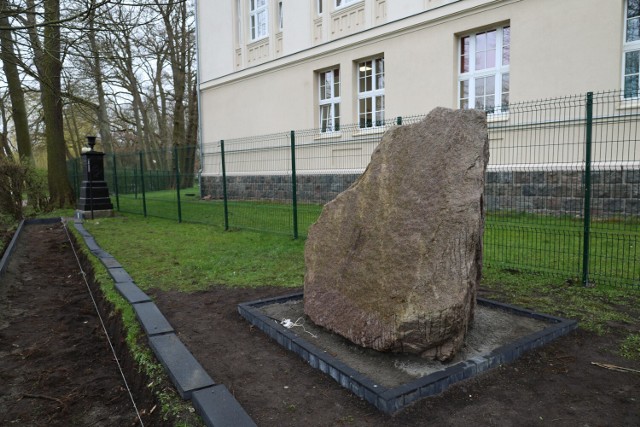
<point x="319" y="6"/>
<point x="341" y="3"/>
<point x="483" y="81"/>
<point x="329" y="83"/>
<point x="280" y="16"/>
<point x="238" y="23"/>
<point x="259" y="17"/>
<point x="631" y="49"/>
<point x="371" y="93"/>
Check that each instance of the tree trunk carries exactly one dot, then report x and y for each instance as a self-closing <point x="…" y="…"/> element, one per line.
<point x="104" y="124"/>
<point x="192" y="129"/>
<point x="9" y="64"/>
<point x="5" y="149"/>
<point x="160" y="110"/>
<point x="178" y="44"/>
<point x="74" y="134"/>
<point x="60" y="191"/>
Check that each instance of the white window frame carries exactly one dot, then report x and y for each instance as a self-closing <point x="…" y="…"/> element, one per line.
<point x="498" y="72"/>
<point x="375" y="94"/>
<point x="344" y="3"/>
<point x="629" y="47"/>
<point x="238" y="22"/>
<point x="258" y="19"/>
<point x="329" y="101"/>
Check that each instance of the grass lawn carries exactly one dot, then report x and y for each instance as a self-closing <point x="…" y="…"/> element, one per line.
<point x="518" y="241"/>
<point x="274" y="217"/>
<point x="190" y="257"/>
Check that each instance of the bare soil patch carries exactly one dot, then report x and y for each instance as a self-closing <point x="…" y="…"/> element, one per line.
<point x="56" y="367"/>
<point x="555" y="385"/>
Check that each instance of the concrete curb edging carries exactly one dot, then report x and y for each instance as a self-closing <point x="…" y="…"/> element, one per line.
<point x="213" y="402"/>
<point x="10" y="248"/>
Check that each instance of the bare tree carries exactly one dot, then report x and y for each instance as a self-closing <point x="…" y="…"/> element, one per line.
<point x="176" y="18"/>
<point x="122" y="44"/>
<point x="104" y="122"/>
<point x="5" y="147"/>
<point x="123" y="69"/>
<point x="49" y="65"/>
<point x="16" y="94"/>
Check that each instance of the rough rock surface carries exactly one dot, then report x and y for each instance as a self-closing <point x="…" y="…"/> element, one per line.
<point x="394" y="261"/>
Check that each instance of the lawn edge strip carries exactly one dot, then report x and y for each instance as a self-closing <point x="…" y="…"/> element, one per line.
<point x="187" y="375"/>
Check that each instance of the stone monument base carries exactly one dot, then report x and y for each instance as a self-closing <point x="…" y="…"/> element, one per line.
<point x="500" y="334"/>
<point x="97" y="213"/>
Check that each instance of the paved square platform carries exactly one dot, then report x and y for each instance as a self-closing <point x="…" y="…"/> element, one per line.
<point x="418" y="379"/>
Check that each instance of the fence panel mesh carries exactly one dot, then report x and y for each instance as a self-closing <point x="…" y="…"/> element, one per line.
<point x="562" y="192"/>
<point x="614" y="229"/>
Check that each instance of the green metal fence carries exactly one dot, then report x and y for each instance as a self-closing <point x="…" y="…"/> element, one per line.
<point x="562" y="188"/>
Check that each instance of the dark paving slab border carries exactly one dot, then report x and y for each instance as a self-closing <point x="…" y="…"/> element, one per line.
<point x="212" y="401"/>
<point x="109" y="262"/>
<point x="118" y="274"/>
<point x="391" y="400"/>
<point x="131" y="292"/>
<point x="217" y="407"/>
<point x="151" y="319"/>
<point x="102" y="255"/>
<point x="185" y="371"/>
<point x="91" y="243"/>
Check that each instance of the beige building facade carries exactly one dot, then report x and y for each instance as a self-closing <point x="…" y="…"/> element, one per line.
<point x="349" y="68"/>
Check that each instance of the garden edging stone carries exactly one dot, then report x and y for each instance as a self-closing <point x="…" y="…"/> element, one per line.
<point x="213" y="402"/>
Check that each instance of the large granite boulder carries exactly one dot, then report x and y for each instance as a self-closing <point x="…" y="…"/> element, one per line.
<point x="394" y="261"/>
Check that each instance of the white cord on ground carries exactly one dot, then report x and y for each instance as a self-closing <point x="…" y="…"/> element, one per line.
<point x="287" y="323"/>
<point x="104" y="328"/>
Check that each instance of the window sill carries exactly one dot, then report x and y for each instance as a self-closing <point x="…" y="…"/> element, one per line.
<point x="258" y="41"/>
<point x="629" y="103"/>
<point x="498" y="117"/>
<point x="354" y="5"/>
<point x="369" y="131"/>
<point x="324" y="136"/>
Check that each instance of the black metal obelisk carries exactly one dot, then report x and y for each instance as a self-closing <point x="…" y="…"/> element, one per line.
<point x="94" y="193"/>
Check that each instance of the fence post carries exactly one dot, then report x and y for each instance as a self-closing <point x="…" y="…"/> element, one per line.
<point x="587" y="190"/>
<point x="294" y="185"/>
<point x="126" y="187"/>
<point x="144" y="198"/>
<point x="135" y="182"/>
<point x="76" y="178"/>
<point x="224" y="187"/>
<point x="176" y="165"/>
<point x="115" y="183"/>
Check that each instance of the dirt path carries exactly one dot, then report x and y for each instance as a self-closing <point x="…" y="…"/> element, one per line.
<point x="56" y="368"/>
<point x="556" y="385"/>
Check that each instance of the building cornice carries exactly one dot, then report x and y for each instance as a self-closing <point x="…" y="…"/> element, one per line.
<point x="406" y="25"/>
